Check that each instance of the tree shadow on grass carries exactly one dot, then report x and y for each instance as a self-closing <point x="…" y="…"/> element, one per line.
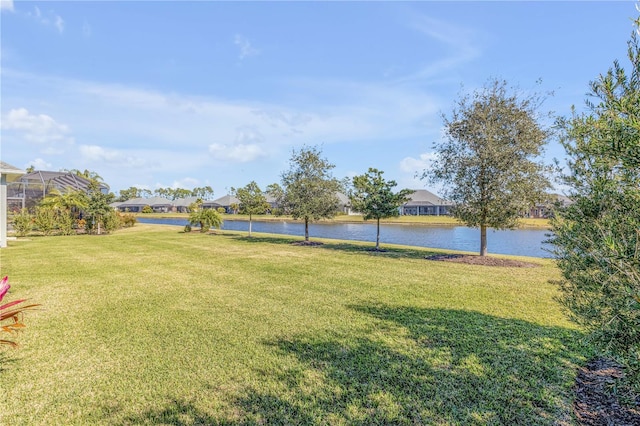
<point x="424" y="366"/>
<point x="176" y="412"/>
<point x="347" y="247"/>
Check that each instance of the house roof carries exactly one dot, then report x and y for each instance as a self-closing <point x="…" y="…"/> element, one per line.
<point x="153" y="202"/>
<point x="61" y="179"/>
<point x="227" y="200"/>
<point x="11" y="172"/>
<point x="422" y="197"/>
<point x="184" y="202"/>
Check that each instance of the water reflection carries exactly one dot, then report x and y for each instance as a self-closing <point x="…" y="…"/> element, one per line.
<point x="523" y="242"/>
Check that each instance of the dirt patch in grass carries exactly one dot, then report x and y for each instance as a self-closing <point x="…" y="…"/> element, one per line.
<point x="597" y="401"/>
<point x="306" y="243"/>
<point x="481" y="260"/>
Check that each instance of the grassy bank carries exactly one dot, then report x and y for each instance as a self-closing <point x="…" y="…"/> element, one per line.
<point x="402" y="220"/>
<point x="153" y="326"/>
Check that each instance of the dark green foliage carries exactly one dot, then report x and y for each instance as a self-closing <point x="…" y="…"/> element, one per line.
<point x="309" y="189"/>
<point x="487" y="160"/>
<point x="597" y="238"/>
<point x="374" y="198"/>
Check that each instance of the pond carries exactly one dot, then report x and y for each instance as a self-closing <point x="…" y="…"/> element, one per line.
<point x="521" y="242"/>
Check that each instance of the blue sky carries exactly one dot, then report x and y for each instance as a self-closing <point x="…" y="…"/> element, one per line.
<point x="186" y="94"/>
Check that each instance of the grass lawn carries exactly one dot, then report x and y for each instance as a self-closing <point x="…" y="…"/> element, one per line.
<point x="153" y="326"/>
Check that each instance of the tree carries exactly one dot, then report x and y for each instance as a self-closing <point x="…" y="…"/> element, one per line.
<point x="98" y="210"/>
<point x="131" y="193"/>
<point x="487" y="160"/>
<point x="374" y="198"/>
<point x="252" y="200"/>
<point x="205" y="192"/>
<point x="597" y="237"/>
<point x="309" y="188"/>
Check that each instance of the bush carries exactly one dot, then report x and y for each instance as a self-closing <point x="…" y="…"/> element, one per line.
<point x="23" y="222"/>
<point x="64" y="221"/>
<point x="111" y="221"/>
<point x="128" y="220"/>
<point x="187" y="228"/>
<point x="221" y="210"/>
<point x="147" y="209"/>
<point x="597" y="238"/>
<point x="45" y="220"/>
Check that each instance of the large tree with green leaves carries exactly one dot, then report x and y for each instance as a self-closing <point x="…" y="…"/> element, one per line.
<point x="597" y="237"/>
<point x="488" y="159"/>
<point x="310" y="190"/>
<point x="252" y="200"/>
<point x="373" y="196"/>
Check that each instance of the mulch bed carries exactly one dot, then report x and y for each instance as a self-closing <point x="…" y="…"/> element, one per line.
<point x="481" y="260"/>
<point x="596" y="403"/>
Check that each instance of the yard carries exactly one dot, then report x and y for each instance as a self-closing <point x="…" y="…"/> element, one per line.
<point x="153" y="326"/>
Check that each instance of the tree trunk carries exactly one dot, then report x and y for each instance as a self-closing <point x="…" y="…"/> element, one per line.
<point x="306" y="229"/>
<point x="483" y="240"/>
<point x="378" y="236"/>
<point x="249" y="225"/>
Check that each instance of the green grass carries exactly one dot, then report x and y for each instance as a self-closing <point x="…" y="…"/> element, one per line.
<point x="152" y="326"/>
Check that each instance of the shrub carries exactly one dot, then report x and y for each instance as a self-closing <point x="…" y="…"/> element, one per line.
<point x="187" y="228"/>
<point x="221" y="210"/>
<point x="23" y="222"/>
<point x="45" y="220"/>
<point x="147" y="209"/>
<point x="128" y="220"/>
<point x="64" y="221"/>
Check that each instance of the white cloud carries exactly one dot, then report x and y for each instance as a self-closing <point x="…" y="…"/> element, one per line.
<point x="40" y="164"/>
<point x="461" y="44"/>
<point x="186" y="183"/>
<point x="6" y="5"/>
<point x="240" y="153"/>
<point x="245" y="47"/>
<point x="50" y="18"/>
<point x="417" y="165"/>
<point x="41" y="129"/>
<point x="98" y="154"/>
<point x="59" y="23"/>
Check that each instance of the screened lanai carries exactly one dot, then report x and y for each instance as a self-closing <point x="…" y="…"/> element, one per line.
<point x="32" y="187"/>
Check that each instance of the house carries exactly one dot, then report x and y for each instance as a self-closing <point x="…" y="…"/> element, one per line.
<point x="135" y="205"/>
<point x="424" y="203"/>
<point x="181" y="205"/>
<point x="28" y="190"/>
<point x="8" y="173"/>
<point x="344" y="204"/>
<point x="229" y="203"/>
<point x="544" y="210"/>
